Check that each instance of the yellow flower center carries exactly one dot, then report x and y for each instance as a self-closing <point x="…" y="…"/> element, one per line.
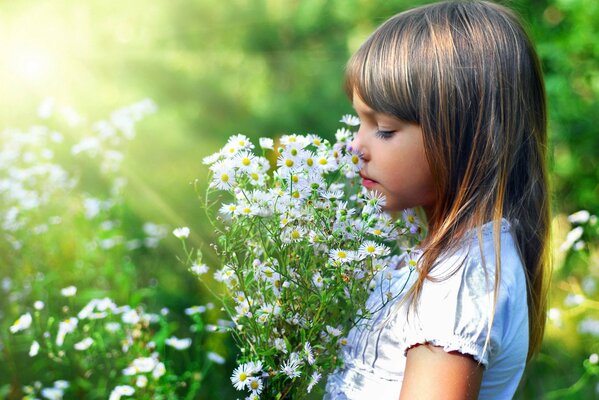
<point x="309" y="162"/>
<point x="294" y="152"/>
<point x="316" y="142"/>
<point x="342" y="254"/>
<point x="323" y="161"/>
<point x="295" y="195"/>
<point x="295" y="235"/>
<point x="254" y="385"/>
<point x="247" y="210"/>
<point x="255" y="176"/>
<point x="289" y="163"/>
<point x="243" y="376"/>
<point x="224" y="178"/>
<point x="411" y="219"/>
<point x="370" y="249"/>
<point x="377" y="232"/>
<point x="246" y="161"/>
<point x="355" y="159"/>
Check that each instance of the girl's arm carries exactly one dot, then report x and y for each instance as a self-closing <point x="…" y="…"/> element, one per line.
<point x="432" y="373"/>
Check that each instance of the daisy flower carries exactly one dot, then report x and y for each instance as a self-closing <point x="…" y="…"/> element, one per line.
<point x="314" y="379"/>
<point x="245" y="161"/>
<point x="370" y="248"/>
<point x="179" y="344"/>
<point x="343" y="135"/>
<point x="22" y="323"/>
<point x="255" y="385"/>
<point x="291" y="366"/>
<point x="84" y="344"/>
<point x="375" y="201"/>
<point x="341" y="255"/>
<point x="266" y="143"/>
<point x="317" y="280"/>
<point x="287" y="140"/>
<point x="411" y="220"/>
<point x="309" y="353"/>
<point x="350" y="120"/>
<point x="241" y="377"/>
<point x="223" y="175"/>
<point x="240" y="141"/>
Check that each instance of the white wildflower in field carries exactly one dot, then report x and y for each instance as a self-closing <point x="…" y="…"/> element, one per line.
<point x="195" y="310"/>
<point x="179" y="344"/>
<point x="69" y="291"/>
<point x="291" y="367"/>
<point x="141" y="381"/>
<point x="65" y="327"/>
<point x="181" y="233"/>
<point x="216" y="358"/>
<point x="52" y="393"/>
<point x="84" y="344"/>
<point x="198" y="268"/>
<point x="266" y="143"/>
<point x="159" y="370"/>
<point x="120" y="391"/>
<point x="314" y="379"/>
<point x="22" y="323"/>
<point x="34" y="349"/>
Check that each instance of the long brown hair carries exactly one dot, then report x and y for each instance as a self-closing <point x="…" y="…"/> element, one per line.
<point x="467" y="73"/>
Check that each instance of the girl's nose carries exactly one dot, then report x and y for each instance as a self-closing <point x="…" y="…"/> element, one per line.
<point x="357" y="146"/>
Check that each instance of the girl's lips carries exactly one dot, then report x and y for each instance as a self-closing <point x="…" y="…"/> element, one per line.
<point x="367" y="182"/>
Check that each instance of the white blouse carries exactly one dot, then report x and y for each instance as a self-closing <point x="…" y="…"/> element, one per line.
<point x="453" y="313"/>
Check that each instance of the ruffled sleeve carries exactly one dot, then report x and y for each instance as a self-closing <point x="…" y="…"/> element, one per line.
<point x="454" y="311"/>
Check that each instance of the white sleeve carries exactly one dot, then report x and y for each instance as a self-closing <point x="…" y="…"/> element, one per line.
<point x="454" y="312"/>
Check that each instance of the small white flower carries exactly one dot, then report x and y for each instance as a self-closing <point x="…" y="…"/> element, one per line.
<point x="594" y="358"/>
<point x="579" y="217"/>
<point x="217" y="358"/>
<point x="317" y="280"/>
<point x="38" y="305"/>
<point x="61" y="384"/>
<point x="34" y="349"/>
<point x="195" y="310"/>
<point x="131" y="317"/>
<point x="121" y="390"/>
<point x="22" y="323"/>
<point x="181" y="233"/>
<point x="179" y="344"/>
<point x="333" y="331"/>
<point x="309" y="353"/>
<point x="141" y="381"/>
<point x="241" y="377"/>
<point x="84" y="344"/>
<point x="350" y="120"/>
<point x="314" y="379"/>
<point x="266" y="143"/>
<point x="65" y="327"/>
<point x="159" y="370"/>
<point x="255" y="385"/>
<point x="291" y="366"/>
<point x="341" y="255"/>
<point x="199" y="269"/>
<point x="69" y="291"/>
<point x="52" y="393"/>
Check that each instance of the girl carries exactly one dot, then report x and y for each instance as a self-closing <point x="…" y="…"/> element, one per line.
<point x="453" y="120"/>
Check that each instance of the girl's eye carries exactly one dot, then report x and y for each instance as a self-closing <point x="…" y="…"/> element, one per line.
<point x="384" y="134"/>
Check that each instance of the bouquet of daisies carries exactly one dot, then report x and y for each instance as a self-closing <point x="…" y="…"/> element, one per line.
<point x="300" y="246"/>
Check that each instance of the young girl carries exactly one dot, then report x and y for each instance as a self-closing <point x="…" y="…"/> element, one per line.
<point x="453" y="120"/>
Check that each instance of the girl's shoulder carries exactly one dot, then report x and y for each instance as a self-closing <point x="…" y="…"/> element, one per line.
<point x="458" y="301"/>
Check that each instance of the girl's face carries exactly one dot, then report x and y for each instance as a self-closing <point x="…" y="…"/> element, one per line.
<point x="395" y="163"/>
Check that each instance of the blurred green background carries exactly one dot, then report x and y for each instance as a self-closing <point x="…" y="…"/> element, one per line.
<point x="265" y="68"/>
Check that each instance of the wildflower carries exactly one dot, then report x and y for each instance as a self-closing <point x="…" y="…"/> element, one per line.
<point x="309" y="353"/>
<point x="22" y="323"/>
<point x="291" y="366"/>
<point x="61" y="384"/>
<point x="341" y="256"/>
<point x="140" y="365"/>
<point x="84" y="344"/>
<point x="314" y="379"/>
<point x="121" y="390"/>
<point x="112" y="327"/>
<point x="241" y="142"/>
<point x="38" y="305"/>
<point x="343" y="135"/>
<point x="65" y="327"/>
<point x="317" y="280"/>
<point x="244" y="161"/>
<point x="181" y="233"/>
<point x="255" y="385"/>
<point x="579" y="217"/>
<point x="159" y="370"/>
<point x="571" y="238"/>
<point x="333" y="331"/>
<point x="375" y="201"/>
<point x="411" y="220"/>
<point x="179" y="344"/>
<point x="372" y="249"/>
<point x="240" y="377"/>
<point x="131" y="317"/>
<point x="34" y="349"/>
<point x="141" y="381"/>
<point x="266" y="143"/>
<point x="199" y="269"/>
<point x="195" y="310"/>
<point x="52" y="393"/>
<point x="224" y="176"/>
<point x="217" y="358"/>
<point x="350" y="120"/>
<point x="69" y="291"/>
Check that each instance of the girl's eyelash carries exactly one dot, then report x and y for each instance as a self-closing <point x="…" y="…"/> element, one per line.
<point x="384" y="134"/>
